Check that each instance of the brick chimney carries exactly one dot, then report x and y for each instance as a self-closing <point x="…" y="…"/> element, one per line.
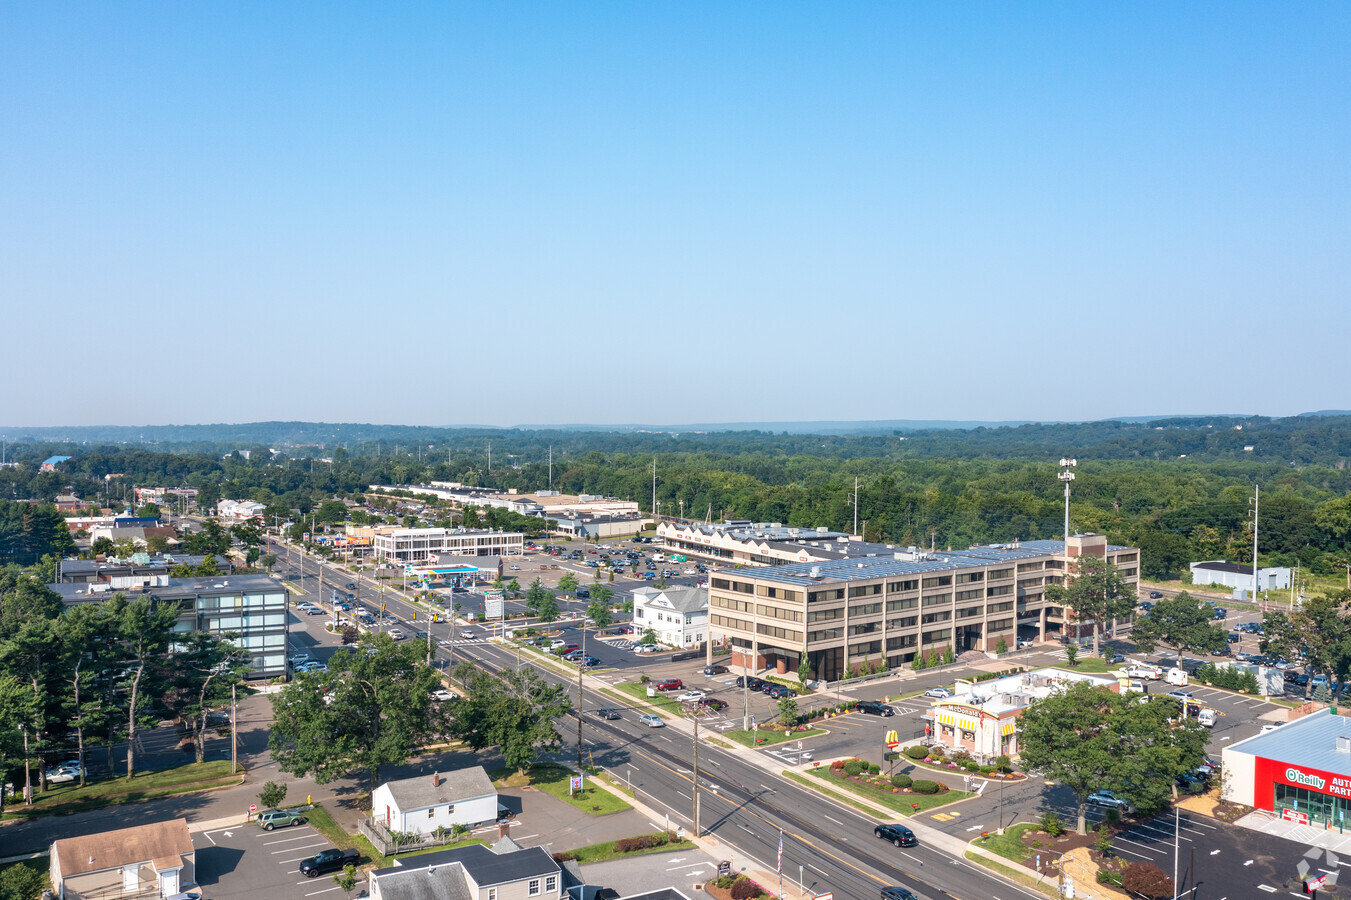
<point x="503" y="829"/>
<point x="436" y="779"/>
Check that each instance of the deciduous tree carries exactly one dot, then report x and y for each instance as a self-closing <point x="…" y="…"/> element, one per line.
<point x="1096" y="592"/>
<point x="1181" y="624"/>
<point x="370" y="709"/>
<point x="513" y="711"/>
<point x="1091" y="738"/>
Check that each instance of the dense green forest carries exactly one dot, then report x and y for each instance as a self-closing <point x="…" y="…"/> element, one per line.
<point x="1179" y="488"/>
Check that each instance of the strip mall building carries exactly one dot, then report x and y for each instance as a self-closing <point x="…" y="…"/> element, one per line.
<point x="1300" y="771"/>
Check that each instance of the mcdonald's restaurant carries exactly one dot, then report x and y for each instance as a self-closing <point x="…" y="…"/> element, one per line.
<point x="1300" y="771"/>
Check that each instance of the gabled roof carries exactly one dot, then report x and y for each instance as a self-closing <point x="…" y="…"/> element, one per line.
<point x="483" y="865"/>
<point x="162" y="844"/>
<point x="439" y="883"/>
<point x="682" y="599"/>
<point x="419" y="793"/>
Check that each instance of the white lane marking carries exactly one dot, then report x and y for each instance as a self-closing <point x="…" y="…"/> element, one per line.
<point x="324" y="891"/>
<point x="836" y="821"/>
<point x="302" y="837"/>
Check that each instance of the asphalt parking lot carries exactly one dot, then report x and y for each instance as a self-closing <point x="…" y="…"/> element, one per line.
<point x="245" y="860"/>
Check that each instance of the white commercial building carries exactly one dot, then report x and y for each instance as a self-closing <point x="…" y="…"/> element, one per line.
<point x="235" y="511"/>
<point x="679" y="616"/>
<point x="1238" y="576"/>
<point x="404" y="545"/>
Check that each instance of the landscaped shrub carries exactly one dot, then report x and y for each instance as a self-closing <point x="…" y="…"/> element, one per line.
<point x="745" y="889"/>
<point x="1108" y="877"/>
<point x="724" y="881"/>
<point x="1051" y="824"/>
<point x="565" y="856"/>
<point x="919" y="751"/>
<point x="874" y="768"/>
<point x="924" y="786"/>
<point x="971" y="765"/>
<point x="641" y="842"/>
<point x="1003" y="763"/>
<point x="987" y="770"/>
<point x="936" y="751"/>
<point x="853" y="767"/>
<point x="900" y="781"/>
<point x="1147" y="880"/>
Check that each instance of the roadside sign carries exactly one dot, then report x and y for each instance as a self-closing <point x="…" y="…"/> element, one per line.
<point x="893" y="740"/>
<point x="828" y="895"/>
<point x="575" y="783"/>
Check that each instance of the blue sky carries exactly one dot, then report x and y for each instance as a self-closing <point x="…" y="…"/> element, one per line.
<point x="696" y="212"/>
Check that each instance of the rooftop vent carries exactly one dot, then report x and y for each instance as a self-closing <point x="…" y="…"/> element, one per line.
<point x="1343" y="744"/>
<point x="815" y="572"/>
<point x="821" y="529"/>
<point x="436" y="779"/>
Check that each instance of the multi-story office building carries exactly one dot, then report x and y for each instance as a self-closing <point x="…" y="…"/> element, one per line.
<point x="405" y="545"/>
<point x="253" y="607"/>
<point x="848" y="612"/>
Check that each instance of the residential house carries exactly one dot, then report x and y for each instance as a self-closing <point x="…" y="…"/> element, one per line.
<point x="506" y="871"/>
<point x="144" y="861"/>
<point x="425" y="803"/>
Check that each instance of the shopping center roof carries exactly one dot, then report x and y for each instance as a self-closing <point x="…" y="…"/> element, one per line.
<point x="1309" y="741"/>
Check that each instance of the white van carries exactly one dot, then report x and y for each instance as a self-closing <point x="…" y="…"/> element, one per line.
<point x="1206" y="717"/>
<point x="1177" y="677"/>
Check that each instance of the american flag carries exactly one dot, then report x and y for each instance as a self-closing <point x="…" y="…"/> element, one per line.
<point x="780" y="851"/>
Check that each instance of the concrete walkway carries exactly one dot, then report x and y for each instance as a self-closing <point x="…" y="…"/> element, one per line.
<point x="1309" y="835"/>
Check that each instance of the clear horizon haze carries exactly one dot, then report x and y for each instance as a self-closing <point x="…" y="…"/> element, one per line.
<point x="451" y="213"/>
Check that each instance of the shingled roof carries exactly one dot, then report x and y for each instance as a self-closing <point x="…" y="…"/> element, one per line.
<point x="162" y="844"/>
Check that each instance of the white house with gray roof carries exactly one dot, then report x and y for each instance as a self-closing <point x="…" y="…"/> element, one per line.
<point x="440" y="800"/>
<point x="474" y="872"/>
<point x="679" y="616"/>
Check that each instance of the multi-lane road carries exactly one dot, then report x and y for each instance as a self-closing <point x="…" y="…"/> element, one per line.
<point x="743" y="803"/>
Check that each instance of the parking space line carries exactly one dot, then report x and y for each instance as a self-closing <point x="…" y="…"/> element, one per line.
<point x="324" y="891"/>
<point x="302" y="837"/>
<point x="322" y="842"/>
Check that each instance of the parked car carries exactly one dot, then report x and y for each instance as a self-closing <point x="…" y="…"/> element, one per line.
<point x="651" y="721"/>
<point x="749" y="681"/>
<point x="1108" y="799"/>
<point x="329" y="861"/>
<point x="691" y="697"/>
<point x="779" y="691"/>
<point x="1155" y="595"/>
<point x="269" y="819"/>
<point x="670" y="684"/>
<point x="875" y="708"/>
<point x="1181" y="696"/>
<point x="1232" y="638"/>
<point x="607" y="713"/>
<point x="897" y="834"/>
<point x="1220" y="613"/>
<point x="589" y="662"/>
<point x="646" y="648"/>
<point x="941" y="693"/>
<point x="713" y="703"/>
<point x="715" y="670"/>
<point x="1146" y="605"/>
<point x="64" y="773"/>
<point x="443" y="694"/>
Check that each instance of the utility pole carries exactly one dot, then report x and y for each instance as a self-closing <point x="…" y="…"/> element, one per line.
<point x="579" y="702"/>
<point x="855" y="531"/>
<point x="695" y="716"/>
<point x="654" y="490"/>
<point x="551" y="467"/>
<point x="1256" y="504"/>
<point x="234" y="731"/>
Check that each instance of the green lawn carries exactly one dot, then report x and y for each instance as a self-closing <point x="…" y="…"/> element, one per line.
<point x="1008" y="844"/>
<point x="1093" y="665"/>
<point x="606" y="850"/>
<point x="1024" y="877"/>
<point x="325" y="825"/>
<point x="67" y="798"/>
<point x="766" y="738"/>
<point x="905" y="804"/>
<point x="555" y="780"/>
<point x="815" y="784"/>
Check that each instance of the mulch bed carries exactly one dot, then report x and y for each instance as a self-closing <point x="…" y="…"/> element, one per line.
<point x="1052" y="847"/>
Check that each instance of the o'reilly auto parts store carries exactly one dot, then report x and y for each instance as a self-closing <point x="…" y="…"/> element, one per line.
<point x="1301" y="771"/>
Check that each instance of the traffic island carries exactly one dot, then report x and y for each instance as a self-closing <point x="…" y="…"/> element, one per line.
<point x="899" y="794"/>
<point x="769" y="737"/>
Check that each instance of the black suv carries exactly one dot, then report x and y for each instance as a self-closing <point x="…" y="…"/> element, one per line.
<point x="750" y="681"/>
<point x="897" y="892"/>
<point x="875" y="708"/>
<point x="897" y="834"/>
